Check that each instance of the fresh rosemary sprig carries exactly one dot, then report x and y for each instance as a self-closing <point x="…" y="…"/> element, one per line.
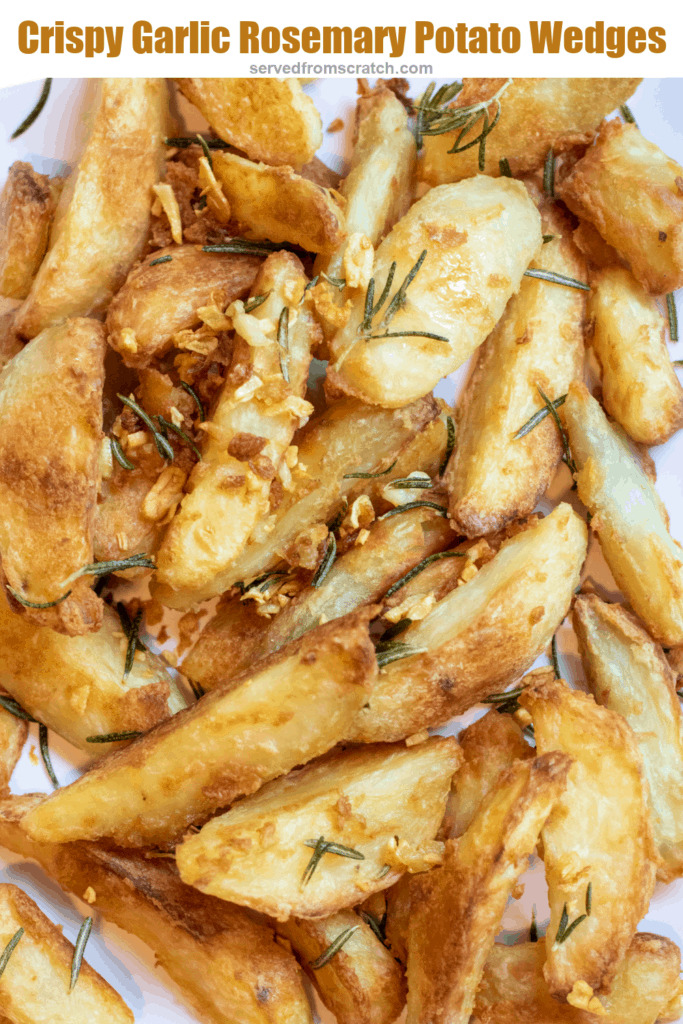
<point x="205" y="150"/>
<point x="369" y="476"/>
<point x="533" y="928"/>
<point x="45" y="754"/>
<point x="195" y="398"/>
<point x="537" y="417"/>
<point x="283" y="341"/>
<point x="9" y="949"/>
<point x="79" y="950"/>
<point x="118" y="453"/>
<point x="163" y="447"/>
<point x="160" y="259"/>
<point x="567" y="457"/>
<point x="433" y="117"/>
<point x="35" y="604"/>
<point x="113" y="737"/>
<point x="432" y="107"/>
<point x="14" y="708"/>
<point x="140" y="561"/>
<point x="257" y="300"/>
<point x="565" y="929"/>
<point x="673" y="316"/>
<point x="408" y="483"/>
<point x="553" y="278"/>
<point x="554" y="657"/>
<point x="394" y="304"/>
<point x="625" y="112"/>
<point x="441" y="509"/>
<point x="549" y="174"/>
<point x="450" y="444"/>
<point x="35" y="113"/>
<point x="185" y="141"/>
<point x="244" y="246"/>
<point x="420" y="567"/>
<point x="167" y="425"/>
<point x="504" y="167"/>
<point x="333" y="948"/>
<point x="327" y="562"/>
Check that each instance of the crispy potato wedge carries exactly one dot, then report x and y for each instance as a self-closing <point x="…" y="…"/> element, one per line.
<point x="27" y="205"/>
<point x="598" y="835"/>
<point x="76" y="685"/>
<point x="277" y="203"/>
<point x="629" y="190"/>
<point x="249" y="431"/>
<point x="494" y="477"/>
<point x="628" y="517"/>
<point x="481" y="635"/>
<point x="457" y="908"/>
<point x="375" y="800"/>
<point x="270" y="119"/>
<point x="13" y="734"/>
<point x="362" y="575"/>
<point x="640" y="389"/>
<point x="50" y="436"/>
<point x="160" y="299"/>
<point x="35" y="984"/>
<point x="295" y="706"/>
<point x="482" y="233"/>
<point x="627" y="672"/>
<point x="513" y="990"/>
<point x="536" y="114"/>
<point x="362" y="983"/>
<point x="349" y="437"/>
<point x="10" y="343"/>
<point x="103" y="213"/>
<point x="226" y="964"/>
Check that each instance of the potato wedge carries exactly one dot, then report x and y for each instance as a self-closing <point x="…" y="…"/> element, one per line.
<point x="628" y="517"/>
<point x="482" y="233"/>
<point x="599" y="835"/>
<point x="263" y="854"/>
<point x="50" y="436"/>
<point x="628" y="189"/>
<point x="271" y="119"/>
<point x="35" y="984"/>
<point x="457" y="908"/>
<point x="294" y="707"/>
<point x="159" y="299"/>
<point x="237" y="636"/>
<point x="627" y="672"/>
<point x="536" y="114"/>
<point x="9" y="340"/>
<point x="278" y="204"/>
<point x="362" y="983"/>
<point x="13" y="735"/>
<point x="494" y="477"/>
<point x="27" y="205"/>
<point x="481" y="635"/>
<point x="103" y="212"/>
<point x="640" y="389"/>
<point x="226" y="964"/>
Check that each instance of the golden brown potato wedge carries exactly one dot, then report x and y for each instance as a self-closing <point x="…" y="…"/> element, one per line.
<point x="226" y="964"/>
<point x="27" y="205"/>
<point x="457" y="908"/>
<point x="10" y="343"/>
<point x="362" y="983"/>
<point x="628" y="517"/>
<point x="482" y="233"/>
<point x="160" y="299"/>
<point x="295" y="706"/>
<point x="102" y="217"/>
<point x="627" y="672"/>
<point x="382" y="803"/>
<point x="481" y="635"/>
<point x="35" y="985"/>
<point x="629" y="190"/>
<point x="278" y="204"/>
<point x="598" y="849"/>
<point x="536" y="114"/>
<point x="13" y="734"/>
<point x="640" y="389"/>
<point x="495" y="476"/>
<point x="271" y="119"/>
<point x="50" y="436"/>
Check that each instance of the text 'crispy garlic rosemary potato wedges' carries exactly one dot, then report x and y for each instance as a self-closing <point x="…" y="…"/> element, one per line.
<point x="628" y="517"/>
<point x="226" y="964"/>
<point x="598" y="849"/>
<point x="467" y="247"/>
<point x="494" y="476"/>
<point x="457" y="908"/>
<point x="633" y="194"/>
<point x="481" y="635"/>
<point x="360" y="984"/>
<point x="35" y="986"/>
<point x="627" y="672"/>
<point x="159" y="299"/>
<point x="640" y="389"/>
<point x="270" y="119"/>
<point x="50" y="436"/>
<point x="103" y="212"/>
<point x="295" y="706"/>
<point x="536" y="114"/>
<point x="27" y="204"/>
<point x="76" y="685"/>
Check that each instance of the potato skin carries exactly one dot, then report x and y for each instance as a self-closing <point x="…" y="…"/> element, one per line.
<point x="536" y="113"/>
<point x="640" y="389"/>
<point x="103" y="213"/>
<point x="599" y="832"/>
<point x="27" y="205"/>
<point x="50" y="435"/>
<point x="481" y="233"/>
<point x="629" y="190"/>
<point x="10" y="344"/>
<point x="157" y="301"/>
<point x="493" y="478"/>
<point x="13" y="735"/>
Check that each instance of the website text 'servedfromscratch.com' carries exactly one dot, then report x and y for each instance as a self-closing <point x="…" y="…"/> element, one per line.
<point x="329" y="70"/>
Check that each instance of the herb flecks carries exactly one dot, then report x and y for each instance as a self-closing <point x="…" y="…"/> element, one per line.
<point x="370" y="476"/>
<point x="254" y="302"/>
<point x="553" y="278"/>
<point x="79" y="950"/>
<point x="35" y="113"/>
<point x="407" y="483"/>
<point x="163" y="447"/>
<point x="333" y="948"/>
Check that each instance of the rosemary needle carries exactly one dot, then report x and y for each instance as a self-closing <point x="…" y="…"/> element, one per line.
<point x="9" y="949"/>
<point x="408" y="483"/>
<point x="373" y="923"/>
<point x="504" y="167"/>
<point x="185" y="141"/>
<point x="400" y="296"/>
<point x="549" y="173"/>
<point x="113" y="737"/>
<point x="283" y="341"/>
<point x="554" y="657"/>
<point x="160" y="259"/>
<point x="14" y="708"/>
<point x="533" y="929"/>
<point x="133" y="643"/>
<point x="35" y="113"/>
<point x="79" y="950"/>
<point x="673" y="316"/>
<point x="553" y="278"/>
<point x="450" y="444"/>
<point x="409" y="505"/>
<point x="36" y="604"/>
<point x="117" y="452"/>
<point x="408" y="334"/>
<point x="327" y="562"/>
<point x="394" y="650"/>
<point x="589" y="899"/>
<point x="195" y="398"/>
<point x="168" y="425"/>
<point x="206" y="150"/>
<point x="537" y="417"/>
<point x="417" y="569"/>
<point x="369" y="476"/>
<point x="245" y="247"/>
<point x="627" y="114"/>
<point x="333" y="948"/>
<point x="45" y="754"/>
<point x="338" y="848"/>
<point x="571" y="465"/>
<point x="140" y="561"/>
<point x="163" y="447"/>
<point x="255" y="301"/>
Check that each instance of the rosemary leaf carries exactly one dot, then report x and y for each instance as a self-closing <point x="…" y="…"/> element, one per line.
<point x="369" y="476"/>
<point x="327" y="562"/>
<point x="553" y="278"/>
<point x="333" y="948"/>
<point x="385" y="291"/>
<point x="9" y="949"/>
<point x="408" y="334"/>
<point x="400" y="296"/>
<point x="185" y="141"/>
<point x="549" y="173"/>
<point x="441" y="509"/>
<point x="394" y="650"/>
<point x="206" y="150"/>
<point x="537" y="417"/>
<point x="554" y="657"/>
<point x="589" y="899"/>
<point x="140" y="561"/>
<point x="45" y="754"/>
<point x="395" y="630"/>
<point x="283" y="341"/>
<point x="35" y="604"/>
<point x="625" y="112"/>
<point x="504" y="167"/>
<point x="563" y="434"/>
<point x="257" y="300"/>
<point x="195" y="398"/>
<point x="564" y="921"/>
<point x="132" y="644"/>
<point x="533" y="929"/>
<point x="113" y="737"/>
<point x="548" y="238"/>
<point x="35" y="113"/>
<point x="450" y="444"/>
<point x="560" y="938"/>
<point x="417" y="569"/>
<point x="117" y="452"/>
<point x="373" y="923"/>
<point x="384" y="871"/>
<point x="408" y="483"/>
<point x="673" y="316"/>
<point x="79" y="950"/>
<point x="168" y="425"/>
<point x="336" y="282"/>
<point x="434" y="117"/>
<point x="14" y="708"/>
<point x="161" y="259"/>
<point x="245" y="247"/>
<point x="314" y="861"/>
<point x="163" y="447"/>
<point x="338" y="848"/>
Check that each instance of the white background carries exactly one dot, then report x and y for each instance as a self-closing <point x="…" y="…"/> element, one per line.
<point x="124" y="961"/>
